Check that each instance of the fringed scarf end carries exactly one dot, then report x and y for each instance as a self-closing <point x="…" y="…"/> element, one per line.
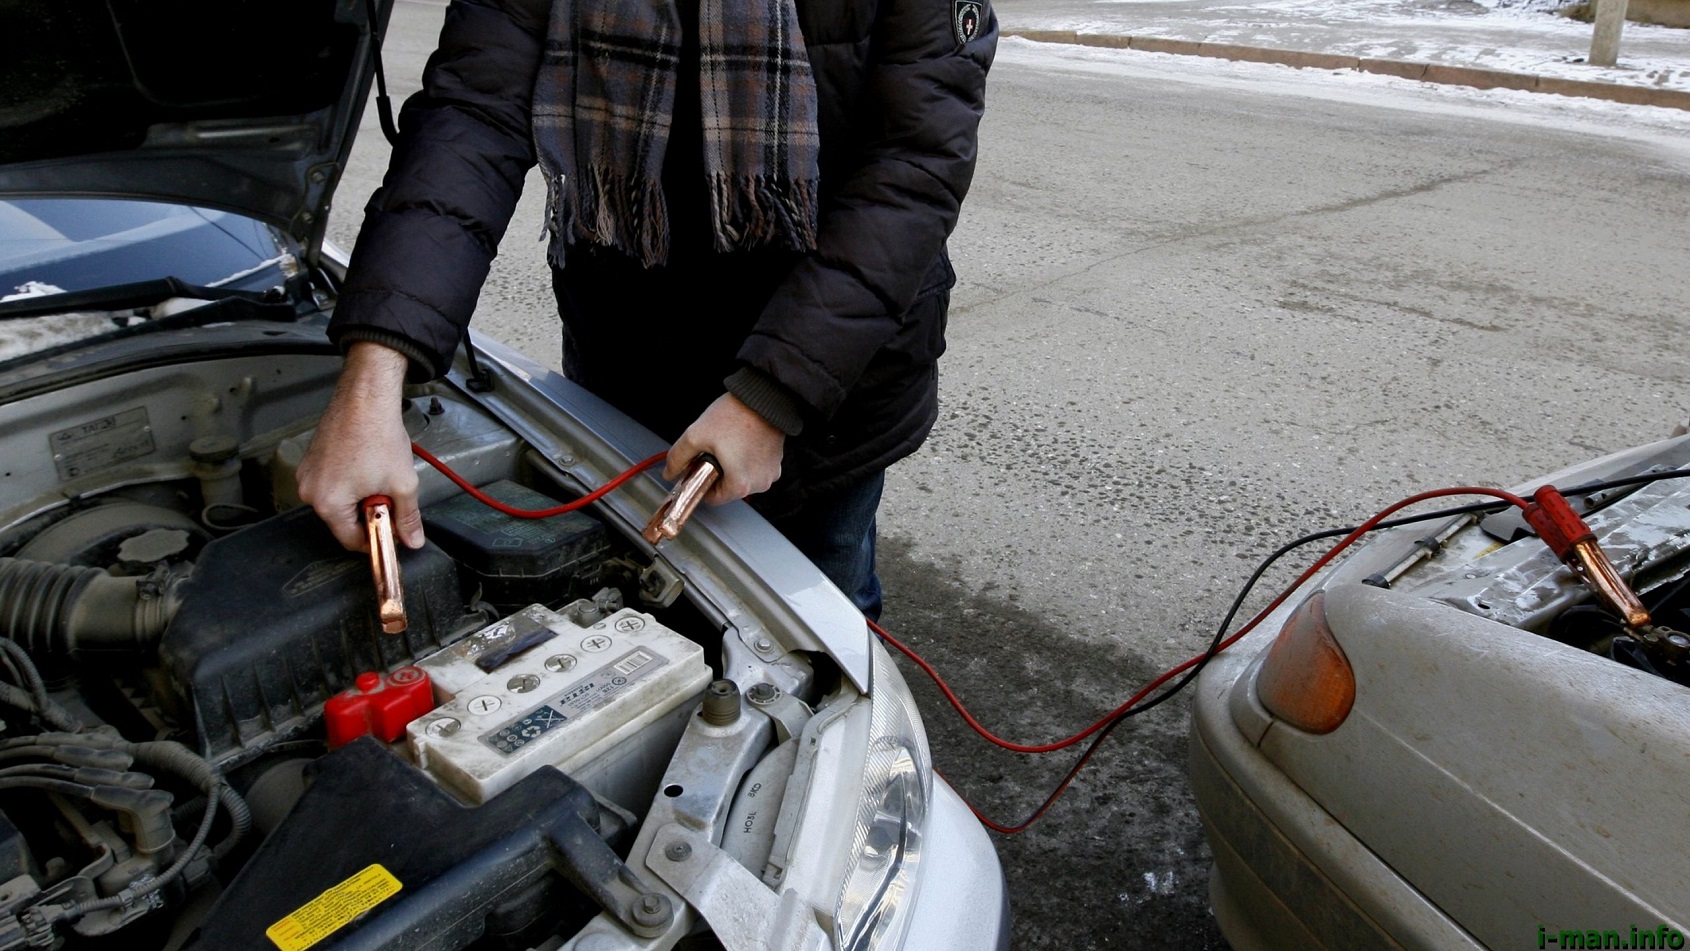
<point x="622" y="212"/>
<point x="749" y="211"/>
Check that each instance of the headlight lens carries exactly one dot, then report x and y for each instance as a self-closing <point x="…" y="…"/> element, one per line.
<point x="886" y="842"/>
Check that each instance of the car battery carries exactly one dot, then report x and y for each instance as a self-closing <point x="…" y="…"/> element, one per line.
<point x="537" y="689"/>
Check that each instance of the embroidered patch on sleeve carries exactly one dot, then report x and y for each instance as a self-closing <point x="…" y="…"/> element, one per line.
<point x="965" y="19"/>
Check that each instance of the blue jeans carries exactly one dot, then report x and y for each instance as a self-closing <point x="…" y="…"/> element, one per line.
<point x="837" y="532"/>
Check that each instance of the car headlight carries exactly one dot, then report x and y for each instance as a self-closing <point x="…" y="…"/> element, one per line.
<point x="897" y="784"/>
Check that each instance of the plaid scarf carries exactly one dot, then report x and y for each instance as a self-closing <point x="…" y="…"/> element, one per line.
<point x="603" y="101"/>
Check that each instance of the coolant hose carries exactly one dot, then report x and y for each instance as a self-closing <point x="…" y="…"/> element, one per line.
<point x="63" y="608"/>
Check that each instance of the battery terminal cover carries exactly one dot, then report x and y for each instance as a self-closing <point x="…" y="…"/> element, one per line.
<point x="562" y="701"/>
<point x="380" y="705"/>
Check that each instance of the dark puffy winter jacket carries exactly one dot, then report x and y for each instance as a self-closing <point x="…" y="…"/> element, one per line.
<point x="852" y="331"/>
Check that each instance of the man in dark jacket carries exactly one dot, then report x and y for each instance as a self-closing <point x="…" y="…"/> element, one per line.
<point x="749" y="206"/>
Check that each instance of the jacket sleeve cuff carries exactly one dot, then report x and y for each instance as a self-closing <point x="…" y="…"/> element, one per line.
<point x="421" y="369"/>
<point x="767" y="398"/>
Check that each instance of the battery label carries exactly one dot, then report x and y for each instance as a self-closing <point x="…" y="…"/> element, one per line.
<point x="526" y="730"/>
<point x="334" y="909"/>
<point x="596" y="690"/>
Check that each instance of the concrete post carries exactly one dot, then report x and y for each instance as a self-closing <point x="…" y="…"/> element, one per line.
<point x="1605" y="39"/>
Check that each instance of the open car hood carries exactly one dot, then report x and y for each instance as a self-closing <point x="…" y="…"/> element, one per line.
<point x="247" y="106"/>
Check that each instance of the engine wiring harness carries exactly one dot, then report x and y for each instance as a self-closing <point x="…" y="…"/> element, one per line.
<point x="96" y="767"/>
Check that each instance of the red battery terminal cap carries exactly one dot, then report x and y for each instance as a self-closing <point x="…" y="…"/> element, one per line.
<point x="381" y="705"/>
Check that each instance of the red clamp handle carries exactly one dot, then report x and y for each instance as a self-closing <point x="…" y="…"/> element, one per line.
<point x="1556" y="523"/>
<point x="1574" y="543"/>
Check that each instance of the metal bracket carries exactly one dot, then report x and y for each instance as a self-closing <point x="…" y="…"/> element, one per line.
<point x="788" y="712"/>
<point x="697" y="789"/>
<point x="660" y="584"/>
<point x="741" y="910"/>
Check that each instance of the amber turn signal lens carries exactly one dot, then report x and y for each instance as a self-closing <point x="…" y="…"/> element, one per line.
<point x="1306" y="679"/>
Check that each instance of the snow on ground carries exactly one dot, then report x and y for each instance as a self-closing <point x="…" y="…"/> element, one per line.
<point x="1531" y="6"/>
<point x="38" y="333"/>
<point x="1666" y="132"/>
<point x="1513" y="35"/>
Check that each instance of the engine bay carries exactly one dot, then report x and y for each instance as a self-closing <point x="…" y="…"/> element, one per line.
<point x="1498" y="569"/>
<point x="208" y="734"/>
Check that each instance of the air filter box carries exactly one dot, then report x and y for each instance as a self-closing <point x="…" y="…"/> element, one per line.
<point x="278" y="617"/>
<point x="519" y="561"/>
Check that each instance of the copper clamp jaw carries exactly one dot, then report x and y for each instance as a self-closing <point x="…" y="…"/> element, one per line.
<point x="1573" y="542"/>
<point x="384" y="562"/>
<point x="689" y="491"/>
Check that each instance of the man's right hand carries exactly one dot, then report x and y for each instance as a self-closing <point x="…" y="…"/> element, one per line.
<point x="361" y="449"/>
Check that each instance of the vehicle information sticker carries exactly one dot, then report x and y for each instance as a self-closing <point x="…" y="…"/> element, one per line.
<point x="334" y="909"/>
<point x="593" y="691"/>
<point x="101" y="443"/>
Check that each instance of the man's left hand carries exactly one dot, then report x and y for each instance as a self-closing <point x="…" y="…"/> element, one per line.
<point x="747" y="445"/>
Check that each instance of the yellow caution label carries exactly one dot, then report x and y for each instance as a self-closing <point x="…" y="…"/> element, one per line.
<point x="334" y="909"/>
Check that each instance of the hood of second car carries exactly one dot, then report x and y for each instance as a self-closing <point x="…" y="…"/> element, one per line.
<point x="247" y="106"/>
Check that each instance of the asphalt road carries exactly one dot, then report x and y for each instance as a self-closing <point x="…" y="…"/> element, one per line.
<point x="1206" y="307"/>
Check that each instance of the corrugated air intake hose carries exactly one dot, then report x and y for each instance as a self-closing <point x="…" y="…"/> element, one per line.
<point x="62" y="609"/>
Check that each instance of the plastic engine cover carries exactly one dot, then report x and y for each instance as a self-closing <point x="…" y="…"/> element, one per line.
<point x="375" y="857"/>
<point x="278" y="618"/>
<point x="519" y="561"/>
<point x="571" y="694"/>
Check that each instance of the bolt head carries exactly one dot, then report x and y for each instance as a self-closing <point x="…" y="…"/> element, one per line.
<point x="678" y="852"/>
<point x="651" y="910"/>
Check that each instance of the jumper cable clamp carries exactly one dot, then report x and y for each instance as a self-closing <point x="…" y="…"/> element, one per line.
<point x="666" y="522"/>
<point x="1574" y="543"/>
<point x="384" y="563"/>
